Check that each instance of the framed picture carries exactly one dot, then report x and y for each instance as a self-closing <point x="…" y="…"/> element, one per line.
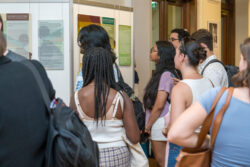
<point x="213" y="29"/>
<point x="216" y="0"/>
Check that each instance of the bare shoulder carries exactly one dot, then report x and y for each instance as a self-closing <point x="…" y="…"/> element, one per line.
<point x="181" y="87"/>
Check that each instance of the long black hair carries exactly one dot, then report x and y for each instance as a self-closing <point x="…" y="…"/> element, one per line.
<point x="94" y="36"/>
<point x="98" y="66"/>
<point x="166" y="51"/>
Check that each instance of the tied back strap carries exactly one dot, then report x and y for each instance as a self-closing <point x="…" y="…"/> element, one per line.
<point x="119" y="99"/>
<point x="79" y="108"/>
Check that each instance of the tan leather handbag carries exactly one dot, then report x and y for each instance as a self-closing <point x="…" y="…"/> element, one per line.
<point x="198" y="157"/>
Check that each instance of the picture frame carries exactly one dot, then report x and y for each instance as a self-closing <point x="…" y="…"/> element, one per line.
<point x="213" y="29"/>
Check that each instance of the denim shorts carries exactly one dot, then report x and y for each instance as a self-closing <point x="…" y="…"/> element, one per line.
<point x="174" y="151"/>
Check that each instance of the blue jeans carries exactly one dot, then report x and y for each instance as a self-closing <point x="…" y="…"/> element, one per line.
<point x="174" y="151"/>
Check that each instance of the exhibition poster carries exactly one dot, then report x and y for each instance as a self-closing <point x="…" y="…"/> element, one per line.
<point x="109" y="25"/>
<point x="124" y="45"/>
<point x="51" y="44"/>
<point x="17" y="29"/>
<point x="84" y="20"/>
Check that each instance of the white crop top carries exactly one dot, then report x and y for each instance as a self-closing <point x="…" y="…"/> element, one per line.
<point x="108" y="133"/>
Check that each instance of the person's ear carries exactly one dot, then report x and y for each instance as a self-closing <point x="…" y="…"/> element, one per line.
<point x="182" y="57"/>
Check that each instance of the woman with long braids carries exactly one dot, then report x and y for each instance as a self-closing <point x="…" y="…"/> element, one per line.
<point x="106" y="112"/>
<point x="232" y="146"/>
<point x="157" y="96"/>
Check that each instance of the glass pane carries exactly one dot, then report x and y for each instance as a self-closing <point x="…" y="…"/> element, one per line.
<point x="223" y="1"/>
<point x="174" y="17"/>
<point x="155" y="25"/>
<point x="155" y="21"/>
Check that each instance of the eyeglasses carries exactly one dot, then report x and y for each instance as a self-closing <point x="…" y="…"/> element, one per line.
<point x="173" y="39"/>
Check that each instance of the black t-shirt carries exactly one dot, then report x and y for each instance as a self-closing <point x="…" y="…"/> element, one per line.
<point x="23" y="115"/>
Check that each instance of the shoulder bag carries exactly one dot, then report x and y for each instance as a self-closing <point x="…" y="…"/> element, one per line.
<point x="198" y="157"/>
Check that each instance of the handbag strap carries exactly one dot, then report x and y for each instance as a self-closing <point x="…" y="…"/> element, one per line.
<point x="208" y="121"/>
<point x="219" y="116"/>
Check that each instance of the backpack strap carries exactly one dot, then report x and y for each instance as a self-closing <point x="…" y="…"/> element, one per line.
<point x="210" y="62"/>
<point x="40" y="83"/>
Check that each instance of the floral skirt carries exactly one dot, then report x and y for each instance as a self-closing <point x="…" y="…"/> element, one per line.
<point x="114" y="157"/>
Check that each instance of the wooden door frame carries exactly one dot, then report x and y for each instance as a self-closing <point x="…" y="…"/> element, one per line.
<point x="230" y="8"/>
<point x="186" y="15"/>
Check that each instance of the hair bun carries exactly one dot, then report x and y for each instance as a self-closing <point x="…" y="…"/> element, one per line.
<point x="200" y="53"/>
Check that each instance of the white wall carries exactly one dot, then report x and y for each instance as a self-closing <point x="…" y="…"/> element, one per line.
<point x="121" y="18"/>
<point x="241" y="23"/>
<point x="210" y="11"/>
<point x="61" y="79"/>
<point x="142" y="41"/>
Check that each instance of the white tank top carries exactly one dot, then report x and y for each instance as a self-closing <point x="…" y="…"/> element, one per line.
<point x="108" y="133"/>
<point x="198" y="86"/>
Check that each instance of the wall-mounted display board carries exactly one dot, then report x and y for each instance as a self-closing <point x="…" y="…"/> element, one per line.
<point x="50" y="45"/>
<point x="17" y="28"/>
<point x="61" y="61"/>
<point x="124" y="45"/>
<point x="110" y="19"/>
<point x="47" y="25"/>
<point x="107" y="23"/>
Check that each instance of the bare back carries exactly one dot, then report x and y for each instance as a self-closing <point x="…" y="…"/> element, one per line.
<point x="87" y="102"/>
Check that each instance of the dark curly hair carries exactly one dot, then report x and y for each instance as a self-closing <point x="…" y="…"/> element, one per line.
<point x="182" y="33"/>
<point x="193" y="51"/>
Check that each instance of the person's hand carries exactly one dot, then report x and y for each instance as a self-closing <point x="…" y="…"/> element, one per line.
<point x="147" y="130"/>
<point x="165" y="131"/>
<point x="176" y="81"/>
<point x="206" y="142"/>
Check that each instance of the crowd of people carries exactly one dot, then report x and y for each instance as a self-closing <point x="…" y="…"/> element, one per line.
<point x="177" y="100"/>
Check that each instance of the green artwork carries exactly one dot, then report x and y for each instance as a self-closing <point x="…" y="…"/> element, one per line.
<point x="124" y="45"/>
<point x="109" y="25"/>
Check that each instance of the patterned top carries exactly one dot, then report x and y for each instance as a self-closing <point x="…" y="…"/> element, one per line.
<point x="215" y="72"/>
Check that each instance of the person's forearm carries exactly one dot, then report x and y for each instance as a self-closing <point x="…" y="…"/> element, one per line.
<point x="153" y="117"/>
<point x="190" y="141"/>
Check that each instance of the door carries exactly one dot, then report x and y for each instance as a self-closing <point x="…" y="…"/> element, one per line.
<point x="228" y="31"/>
<point x="170" y="14"/>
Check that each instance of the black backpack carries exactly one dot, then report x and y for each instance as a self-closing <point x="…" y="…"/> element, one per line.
<point x="137" y="105"/>
<point x="69" y="142"/>
<point x="230" y="69"/>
